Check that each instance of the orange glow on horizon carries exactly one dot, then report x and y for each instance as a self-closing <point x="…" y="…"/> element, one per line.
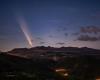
<point x="58" y="70"/>
<point x="98" y="79"/>
<point x="62" y="71"/>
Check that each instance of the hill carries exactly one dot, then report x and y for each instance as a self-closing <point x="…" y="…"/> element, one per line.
<point x="40" y="51"/>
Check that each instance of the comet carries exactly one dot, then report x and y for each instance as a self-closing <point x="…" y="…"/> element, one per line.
<point x="25" y="30"/>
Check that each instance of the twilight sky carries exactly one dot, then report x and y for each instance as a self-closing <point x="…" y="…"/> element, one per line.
<point x="54" y="23"/>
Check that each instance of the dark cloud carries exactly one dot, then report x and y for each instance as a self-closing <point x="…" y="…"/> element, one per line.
<point x="42" y="42"/>
<point x="51" y="36"/>
<point x="88" y="33"/>
<point x="88" y="38"/>
<point x="64" y="29"/>
<point x="75" y="34"/>
<point x="60" y="43"/>
<point x="66" y="34"/>
<point x="38" y="38"/>
<point x="60" y="28"/>
<point x="90" y="29"/>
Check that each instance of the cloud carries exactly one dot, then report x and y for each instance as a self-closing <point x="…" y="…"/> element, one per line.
<point x="88" y="38"/>
<point x="60" y="28"/>
<point x="64" y="28"/>
<point x="66" y="34"/>
<point x="51" y="36"/>
<point x="88" y="33"/>
<point x="60" y="43"/>
<point x="38" y="38"/>
<point x="75" y="34"/>
<point x="90" y="29"/>
<point x="42" y="42"/>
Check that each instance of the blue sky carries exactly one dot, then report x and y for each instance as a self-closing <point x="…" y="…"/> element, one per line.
<point x="49" y="21"/>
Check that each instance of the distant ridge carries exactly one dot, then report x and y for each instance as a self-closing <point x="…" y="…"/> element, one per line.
<point x="37" y="51"/>
<point x="54" y="48"/>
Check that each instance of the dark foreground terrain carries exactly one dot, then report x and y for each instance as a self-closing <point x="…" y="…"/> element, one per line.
<point x="53" y="65"/>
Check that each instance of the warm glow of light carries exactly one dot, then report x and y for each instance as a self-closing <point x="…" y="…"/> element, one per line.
<point x="66" y="74"/>
<point x="98" y="79"/>
<point x="25" y="30"/>
<point x="60" y="70"/>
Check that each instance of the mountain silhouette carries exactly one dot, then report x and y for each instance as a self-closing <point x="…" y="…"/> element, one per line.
<point x="36" y="51"/>
<point x="40" y="63"/>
